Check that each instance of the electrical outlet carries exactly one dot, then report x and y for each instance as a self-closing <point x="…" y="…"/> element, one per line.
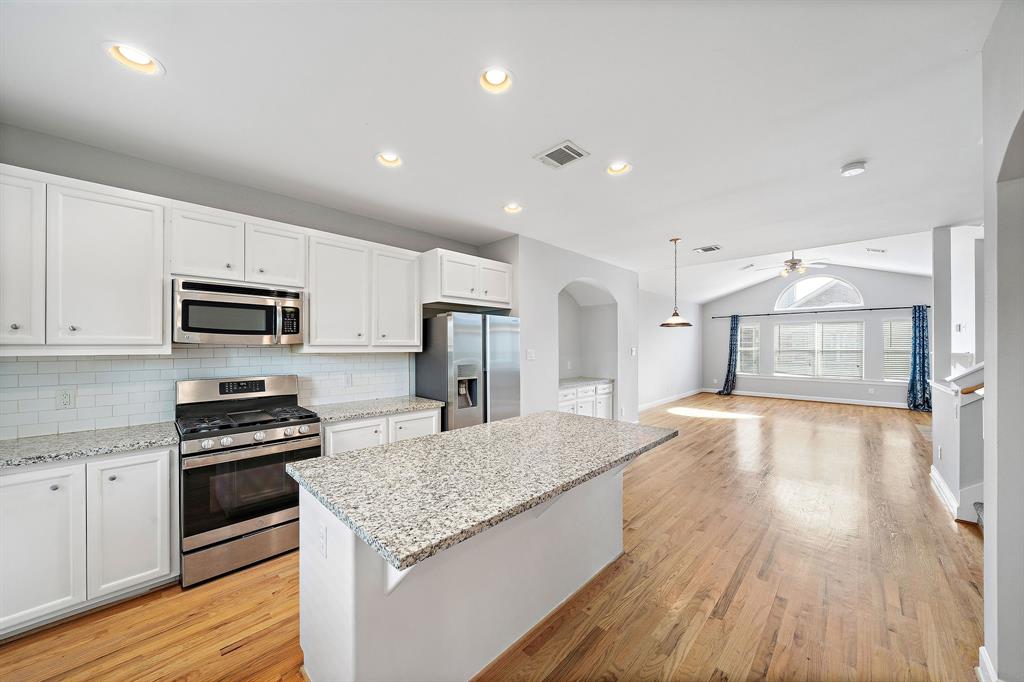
<point x="632" y="351"/>
<point x="531" y="354"/>
<point x="346" y="380"/>
<point x="65" y="398"/>
<point x="940" y="452"/>
<point x="323" y="540"/>
<point x="871" y="391"/>
<point x="622" y="411"/>
<point x="568" y="364"/>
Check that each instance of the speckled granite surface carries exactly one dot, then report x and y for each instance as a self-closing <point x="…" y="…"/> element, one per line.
<point x="413" y="499"/>
<point x="68" y="446"/>
<point x="574" y="382"/>
<point x="358" y="409"/>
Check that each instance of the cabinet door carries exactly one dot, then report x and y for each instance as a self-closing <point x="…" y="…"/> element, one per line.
<point x="355" y="435"/>
<point x="603" y="407"/>
<point x="22" y="260"/>
<point x="568" y="407"/>
<point x="459" y="275"/>
<point x="275" y="255"/>
<point x="413" y="425"/>
<point x="104" y="269"/>
<point x="207" y="244"/>
<point x="338" y="295"/>
<point x="396" y="299"/>
<point x="129" y="524"/>
<point x="42" y="543"/>
<point x="586" y="407"/>
<point x="495" y="282"/>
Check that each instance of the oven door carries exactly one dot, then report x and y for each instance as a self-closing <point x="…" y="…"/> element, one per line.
<point x="230" y="494"/>
<point x="205" y="317"/>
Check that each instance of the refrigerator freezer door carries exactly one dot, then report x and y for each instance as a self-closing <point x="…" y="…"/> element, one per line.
<point x="502" y="364"/>
<point x="465" y="371"/>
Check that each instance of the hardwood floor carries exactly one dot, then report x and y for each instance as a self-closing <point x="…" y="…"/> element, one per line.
<point x="772" y="540"/>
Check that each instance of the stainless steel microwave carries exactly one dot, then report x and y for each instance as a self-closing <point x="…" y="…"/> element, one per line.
<point x="220" y="313"/>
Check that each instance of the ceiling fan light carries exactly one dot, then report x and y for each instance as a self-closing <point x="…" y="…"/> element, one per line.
<point x="801" y="269"/>
<point x="784" y="273"/>
<point x="675" y="320"/>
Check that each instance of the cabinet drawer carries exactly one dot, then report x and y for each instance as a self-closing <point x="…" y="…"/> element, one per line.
<point x="566" y="394"/>
<point x="604" y="389"/>
<point x="567" y="407"/>
<point x="586" y="406"/>
<point x="355" y="435"/>
<point x="413" y="425"/>
<point x="586" y="391"/>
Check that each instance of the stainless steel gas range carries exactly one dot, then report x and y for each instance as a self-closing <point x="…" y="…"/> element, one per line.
<point x="238" y="506"/>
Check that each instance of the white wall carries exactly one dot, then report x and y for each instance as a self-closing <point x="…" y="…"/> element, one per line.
<point x="878" y="288"/>
<point x="570" y="352"/>
<point x="962" y="299"/>
<point x="598" y="341"/>
<point x="669" y="359"/>
<point x="542" y="271"/>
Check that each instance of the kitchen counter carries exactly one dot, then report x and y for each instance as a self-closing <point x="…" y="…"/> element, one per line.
<point x="576" y="382"/>
<point x="358" y="409"/>
<point x="68" y="446"/>
<point x="412" y="499"/>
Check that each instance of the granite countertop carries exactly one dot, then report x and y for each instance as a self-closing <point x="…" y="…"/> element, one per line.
<point x="69" y="446"/>
<point x="358" y="409"/>
<point x="412" y="499"/>
<point x="573" y="382"/>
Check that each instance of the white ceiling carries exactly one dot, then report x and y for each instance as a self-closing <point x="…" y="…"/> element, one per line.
<point x="735" y="115"/>
<point x="908" y="253"/>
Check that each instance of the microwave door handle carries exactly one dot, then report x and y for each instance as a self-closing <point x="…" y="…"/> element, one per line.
<point x="279" y="322"/>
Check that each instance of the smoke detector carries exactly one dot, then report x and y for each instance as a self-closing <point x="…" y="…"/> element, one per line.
<point x="562" y="154"/>
<point x="708" y="249"/>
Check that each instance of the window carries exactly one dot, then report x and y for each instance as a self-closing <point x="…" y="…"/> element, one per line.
<point x="813" y="293"/>
<point x="828" y="350"/>
<point x="896" y="343"/>
<point x="748" y="359"/>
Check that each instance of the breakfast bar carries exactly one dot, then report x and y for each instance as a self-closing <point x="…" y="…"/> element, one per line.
<point x="426" y="558"/>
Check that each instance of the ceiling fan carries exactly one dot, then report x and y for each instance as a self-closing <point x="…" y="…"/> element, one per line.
<point x="796" y="265"/>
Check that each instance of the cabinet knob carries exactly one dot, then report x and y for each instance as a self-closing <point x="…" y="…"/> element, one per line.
<point x="227" y="265"/>
<point x="485" y="292"/>
<point x="260" y="270"/>
<point x="15" y="326"/>
<point x="112" y="477"/>
<point x="400" y="428"/>
<point x="359" y="334"/>
<point x="383" y="336"/>
<point x="72" y="328"/>
<point x="376" y="431"/>
<point x="472" y="290"/>
<point x="54" y="487"/>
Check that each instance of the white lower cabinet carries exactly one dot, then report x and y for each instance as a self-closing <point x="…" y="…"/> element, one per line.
<point x="129" y="523"/>
<point x="42" y="543"/>
<point x="366" y="433"/>
<point x="589" y="399"/>
<point x="603" y="407"/>
<point x="585" y="407"/>
<point x="81" y="533"/>
<point x="568" y="407"/>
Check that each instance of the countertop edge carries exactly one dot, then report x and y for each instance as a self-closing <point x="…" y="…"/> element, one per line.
<point x="425" y="404"/>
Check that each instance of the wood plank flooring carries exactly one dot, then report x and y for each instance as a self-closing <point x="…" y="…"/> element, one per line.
<point x="773" y="540"/>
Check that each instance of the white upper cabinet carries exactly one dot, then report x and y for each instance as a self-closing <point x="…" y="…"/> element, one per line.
<point x="451" y="277"/>
<point x="338" y="293"/>
<point x="207" y="244"/>
<point x="42" y="543"/>
<point x="396" y="308"/>
<point x="104" y="268"/>
<point x="129" y="523"/>
<point x="22" y="260"/>
<point x="275" y="255"/>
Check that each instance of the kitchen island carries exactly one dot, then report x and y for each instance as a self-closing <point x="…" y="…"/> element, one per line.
<point x="425" y="559"/>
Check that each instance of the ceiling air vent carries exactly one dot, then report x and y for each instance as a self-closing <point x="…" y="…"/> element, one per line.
<point x="880" y="251"/>
<point x="562" y="154"/>
<point x="708" y="249"/>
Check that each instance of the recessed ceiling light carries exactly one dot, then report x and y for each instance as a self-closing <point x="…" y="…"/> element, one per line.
<point x="619" y="168"/>
<point x="513" y="207"/>
<point x="389" y="159"/>
<point x="134" y="59"/>
<point x="853" y="168"/>
<point x="495" y="79"/>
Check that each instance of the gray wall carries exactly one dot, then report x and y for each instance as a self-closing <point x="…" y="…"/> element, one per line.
<point x="38" y="151"/>
<point x="669" y="362"/>
<point x="878" y="289"/>
<point x="570" y="354"/>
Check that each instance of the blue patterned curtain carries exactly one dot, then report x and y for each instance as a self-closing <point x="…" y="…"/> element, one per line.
<point x="919" y="388"/>
<point x="730" y="370"/>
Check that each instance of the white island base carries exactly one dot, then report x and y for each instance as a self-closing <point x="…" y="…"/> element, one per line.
<point x="448" y="616"/>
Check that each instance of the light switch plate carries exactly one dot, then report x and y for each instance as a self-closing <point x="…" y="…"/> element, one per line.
<point x="632" y="351"/>
<point x="531" y="354"/>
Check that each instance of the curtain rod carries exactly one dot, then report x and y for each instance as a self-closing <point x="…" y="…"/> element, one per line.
<point x="817" y="312"/>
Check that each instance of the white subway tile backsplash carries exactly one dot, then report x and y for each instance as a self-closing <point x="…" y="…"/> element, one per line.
<point x="123" y="390"/>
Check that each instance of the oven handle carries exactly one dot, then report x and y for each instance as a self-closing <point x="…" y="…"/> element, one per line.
<point x="249" y="453"/>
<point x="279" y="322"/>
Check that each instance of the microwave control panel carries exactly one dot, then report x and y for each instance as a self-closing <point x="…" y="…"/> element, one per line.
<point x="289" y="321"/>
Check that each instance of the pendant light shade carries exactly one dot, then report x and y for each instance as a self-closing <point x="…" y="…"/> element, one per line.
<point x="675" y="319"/>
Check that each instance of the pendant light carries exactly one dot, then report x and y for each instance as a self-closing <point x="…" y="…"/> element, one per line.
<point x="675" y="320"/>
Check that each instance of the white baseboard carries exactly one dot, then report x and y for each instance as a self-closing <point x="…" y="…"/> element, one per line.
<point x="814" y="399"/>
<point x="945" y="494"/>
<point x="985" y="671"/>
<point x="968" y="496"/>
<point x="671" y="398"/>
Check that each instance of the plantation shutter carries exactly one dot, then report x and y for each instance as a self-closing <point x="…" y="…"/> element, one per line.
<point x="794" y="349"/>
<point x="749" y="359"/>
<point x="841" y="350"/>
<point x="896" y="341"/>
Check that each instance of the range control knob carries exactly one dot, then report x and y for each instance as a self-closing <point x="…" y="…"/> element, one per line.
<point x="288" y="431"/>
<point x="303" y="429"/>
<point x="259" y="435"/>
<point x="226" y="441"/>
<point x="206" y="444"/>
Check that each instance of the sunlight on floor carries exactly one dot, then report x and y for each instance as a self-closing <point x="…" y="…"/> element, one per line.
<point x="710" y="414"/>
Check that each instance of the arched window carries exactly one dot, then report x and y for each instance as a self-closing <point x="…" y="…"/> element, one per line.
<point x="815" y="293"/>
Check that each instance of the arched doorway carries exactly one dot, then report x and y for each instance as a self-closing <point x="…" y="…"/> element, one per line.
<point x="587" y="332"/>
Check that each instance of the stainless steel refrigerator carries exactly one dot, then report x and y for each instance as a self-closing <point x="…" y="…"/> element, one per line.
<point x="470" y="361"/>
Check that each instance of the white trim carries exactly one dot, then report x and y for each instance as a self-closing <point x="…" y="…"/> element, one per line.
<point x="965" y="372"/>
<point x="985" y="671"/>
<point x="814" y="398"/>
<point x="671" y="398"/>
<point x="949" y="500"/>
